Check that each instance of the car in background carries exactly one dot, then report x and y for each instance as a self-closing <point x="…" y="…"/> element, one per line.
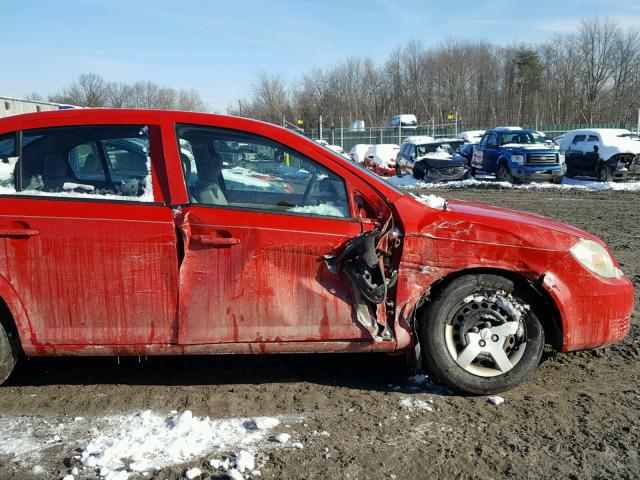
<point x="153" y="261"/>
<point x="514" y="154"/>
<point x="470" y="139"/>
<point x="357" y="126"/>
<point x="339" y="150"/>
<point x="404" y="121"/>
<point x="433" y="161"/>
<point x="382" y="158"/>
<point x="358" y="152"/>
<point x="606" y="153"/>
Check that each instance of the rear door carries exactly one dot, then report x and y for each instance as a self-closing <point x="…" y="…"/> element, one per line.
<point x="86" y="242"/>
<point x="591" y="156"/>
<point x="575" y="157"/>
<point x="490" y="155"/>
<point x="261" y="218"/>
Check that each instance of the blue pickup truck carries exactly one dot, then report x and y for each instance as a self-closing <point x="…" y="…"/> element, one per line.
<point x="514" y="154"/>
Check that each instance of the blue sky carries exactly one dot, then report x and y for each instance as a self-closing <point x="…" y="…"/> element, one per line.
<point x="218" y="47"/>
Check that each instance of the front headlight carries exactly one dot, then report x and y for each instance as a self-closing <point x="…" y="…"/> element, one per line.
<point x="519" y="159"/>
<point x="596" y="258"/>
<point x="561" y="158"/>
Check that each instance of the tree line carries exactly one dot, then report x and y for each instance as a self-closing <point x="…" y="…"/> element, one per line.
<point x="91" y="90"/>
<point x="589" y="76"/>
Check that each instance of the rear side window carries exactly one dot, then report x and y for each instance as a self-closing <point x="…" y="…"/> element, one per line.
<point x="8" y="160"/>
<point x="104" y="161"/>
<point x="579" y="138"/>
<point x="592" y="138"/>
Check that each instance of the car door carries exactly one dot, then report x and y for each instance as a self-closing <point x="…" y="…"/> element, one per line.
<point x="85" y="241"/>
<point x="255" y="232"/>
<point x="490" y="155"/>
<point x="591" y="156"/>
<point x="577" y="154"/>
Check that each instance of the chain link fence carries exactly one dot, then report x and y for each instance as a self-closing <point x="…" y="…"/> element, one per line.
<point x="347" y="138"/>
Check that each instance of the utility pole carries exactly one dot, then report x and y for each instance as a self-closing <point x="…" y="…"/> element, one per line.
<point x="638" y="126"/>
<point x="320" y="127"/>
<point x="341" y="133"/>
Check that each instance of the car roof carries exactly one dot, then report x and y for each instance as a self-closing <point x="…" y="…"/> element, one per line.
<point x="507" y="129"/>
<point x="127" y="113"/>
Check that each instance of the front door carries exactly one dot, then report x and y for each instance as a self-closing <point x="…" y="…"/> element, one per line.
<point x="260" y="220"/>
<point x="91" y="255"/>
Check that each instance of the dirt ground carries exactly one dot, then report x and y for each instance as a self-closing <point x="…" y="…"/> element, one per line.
<point x="577" y="418"/>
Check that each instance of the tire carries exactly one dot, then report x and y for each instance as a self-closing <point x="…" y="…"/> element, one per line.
<point x="8" y="353"/>
<point x="570" y="173"/>
<point x="605" y="174"/>
<point x="557" y="180"/>
<point x="504" y="174"/>
<point x="469" y="304"/>
<point x="418" y="171"/>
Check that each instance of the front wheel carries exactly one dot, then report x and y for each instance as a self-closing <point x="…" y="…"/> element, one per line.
<point x="480" y="335"/>
<point x="605" y="174"/>
<point x="557" y="179"/>
<point x="418" y="171"/>
<point x="504" y="174"/>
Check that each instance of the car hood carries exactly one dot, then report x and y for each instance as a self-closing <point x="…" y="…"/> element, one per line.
<point x="435" y="162"/>
<point x="480" y="223"/>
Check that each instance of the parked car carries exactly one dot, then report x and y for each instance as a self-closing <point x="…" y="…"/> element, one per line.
<point x="382" y="158"/>
<point x="357" y="126"/>
<point x="339" y="150"/>
<point x="470" y="138"/>
<point x="516" y="154"/>
<point x="607" y="153"/>
<point x="105" y="254"/>
<point x="358" y="152"/>
<point x="434" y="161"/>
<point x="404" y="121"/>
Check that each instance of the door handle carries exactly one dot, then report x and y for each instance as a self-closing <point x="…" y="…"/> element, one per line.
<point x="18" y="232"/>
<point x="216" y="241"/>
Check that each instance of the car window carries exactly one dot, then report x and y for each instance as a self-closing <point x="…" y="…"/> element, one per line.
<point x="237" y="169"/>
<point x="8" y="160"/>
<point x="491" y="140"/>
<point x="592" y="138"/>
<point x="579" y="138"/>
<point x="88" y="161"/>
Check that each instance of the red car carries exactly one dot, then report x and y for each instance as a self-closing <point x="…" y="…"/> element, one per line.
<point x="115" y="241"/>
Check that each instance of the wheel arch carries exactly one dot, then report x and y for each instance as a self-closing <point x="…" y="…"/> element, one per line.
<point x="546" y="308"/>
<point x="13" y="315"/>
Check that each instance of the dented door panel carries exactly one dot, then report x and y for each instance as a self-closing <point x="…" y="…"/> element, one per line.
<point x="272" y="285"/>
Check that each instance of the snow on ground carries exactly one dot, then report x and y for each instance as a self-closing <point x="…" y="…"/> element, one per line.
<point x="119" y="446"/>
<point x="488" y="181"/>
<point x="417" y="405"/>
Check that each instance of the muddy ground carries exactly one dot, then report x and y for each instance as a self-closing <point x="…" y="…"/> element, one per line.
<point x="578" y="417"/>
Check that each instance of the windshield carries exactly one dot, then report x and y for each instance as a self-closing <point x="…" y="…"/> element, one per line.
<point x="422" y="150"/>
<point x="519" y="137"/>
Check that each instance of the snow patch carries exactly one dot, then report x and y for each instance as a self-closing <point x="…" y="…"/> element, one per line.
<point x="149" y="440"/>
<point x="416" y="405"/>
<point x="488" y="182"/>
<point x="282" y="437"/>
<point x="495" y="400"/>
<point x="329" y="209"/>
<point x="193" y="473"/>
<point x="262" y="423"/>
<point x="432" y="201"/>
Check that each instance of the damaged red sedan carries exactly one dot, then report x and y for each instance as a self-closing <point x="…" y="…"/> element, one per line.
<point x="131" y="232"/>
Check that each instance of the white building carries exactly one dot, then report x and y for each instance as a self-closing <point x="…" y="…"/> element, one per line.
<point x="14" y="106"/>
